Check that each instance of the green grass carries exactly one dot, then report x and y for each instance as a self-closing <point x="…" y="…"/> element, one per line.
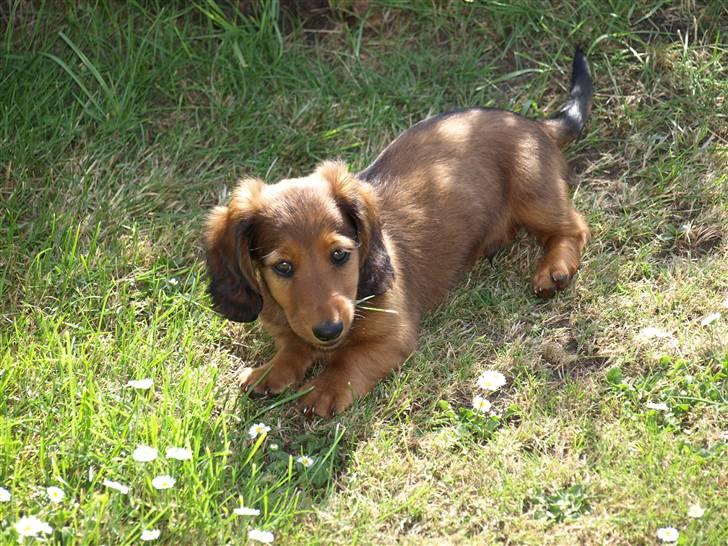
<point x="123" y="123"/>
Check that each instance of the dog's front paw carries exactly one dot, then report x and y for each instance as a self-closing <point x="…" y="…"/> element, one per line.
<point x="331" y="394"/>
<point x="268" y="379"/>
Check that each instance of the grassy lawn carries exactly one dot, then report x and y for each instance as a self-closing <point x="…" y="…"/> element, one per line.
<point x="121" y="124"/>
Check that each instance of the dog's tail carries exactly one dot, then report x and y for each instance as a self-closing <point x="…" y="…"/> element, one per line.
<point x="566" y="124"/>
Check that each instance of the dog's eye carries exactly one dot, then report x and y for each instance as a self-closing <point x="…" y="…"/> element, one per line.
<point x="284" y="269"/>
<point x="339" y="257"/>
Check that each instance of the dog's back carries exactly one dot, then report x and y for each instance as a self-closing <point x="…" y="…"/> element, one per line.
<point x="466" y="176"/>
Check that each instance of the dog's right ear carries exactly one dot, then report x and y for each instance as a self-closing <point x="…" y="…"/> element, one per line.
<point x="228" y="235"/>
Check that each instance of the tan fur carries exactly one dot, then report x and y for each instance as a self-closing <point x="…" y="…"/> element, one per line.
<point x="447" y="192"/>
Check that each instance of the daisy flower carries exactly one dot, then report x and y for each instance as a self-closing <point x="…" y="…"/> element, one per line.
<point x="55" y="494"/>
<point x="174" y="281"/>
<point x="141" y="384"/>
<point x="144" y="454"/>
<point x="266" y="537"/>
<point x="305" y="461"/>
<point x="695" y="511"/>
<point x="257" y="429"/>
<point x="179" y="453"/>
<point x="657" y="406"/>
<point x="4" y="495"/>
<point x="653" y="332"/>
<point x="490" y="380"/>
<point x="245" y="511"/>
<point x="163" y="482"/>
<point x="150" y="534"/>
<point x="668" y="534"/>
<point x="481" y="404"/>
<point x="30" y="526"/>
<point x="120" y="487"/>
<point x="709" y="319"/>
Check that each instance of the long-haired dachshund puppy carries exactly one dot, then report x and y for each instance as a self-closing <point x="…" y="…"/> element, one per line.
<point x="340" y="267"/>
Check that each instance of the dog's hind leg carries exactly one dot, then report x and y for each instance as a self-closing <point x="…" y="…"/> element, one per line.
<point x="563" y="234"/>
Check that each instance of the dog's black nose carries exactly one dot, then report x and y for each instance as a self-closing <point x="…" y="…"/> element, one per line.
<point x="329" y="330"/>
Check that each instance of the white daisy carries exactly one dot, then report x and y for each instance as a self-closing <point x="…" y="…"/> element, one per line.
<point x="120" y="487"/>
<point x="481" y="404"/>
<point x="141" y="384"/>
<point x="257" y="429"/>
<point x="4" y="495"/>
<point x="657" y="406"/>
<point x="144" y="454"/>
<point x="179" y="453"/>
<point x="274" y="447"/>
<point x="653" y="332"/>
<point x="490" y="380"/>
<point x="695" y="511"/>
<point x="668" y="534"/>
<point x="266" y="537"/>
<point x="163" y="482"/>
<point x="55" y="494"/>
<point x="709" y="319"/>
<point x="173" y="281"/>
<point x="150" y="534"/>
<point x="30" y="526"/>
<point x="245" y="511"/>
<point x="305" y="461"/>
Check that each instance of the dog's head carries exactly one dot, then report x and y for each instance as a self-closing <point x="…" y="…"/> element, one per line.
<point x="313" y="245"/>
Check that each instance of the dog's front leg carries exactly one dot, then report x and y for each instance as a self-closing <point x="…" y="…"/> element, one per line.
<point x="287" y="367"/>
<point x="351" y="373"/>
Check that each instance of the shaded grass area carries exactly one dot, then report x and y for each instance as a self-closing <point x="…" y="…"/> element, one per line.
<point x="123" y="123"/>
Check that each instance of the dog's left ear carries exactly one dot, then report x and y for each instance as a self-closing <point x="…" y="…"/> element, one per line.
<point x="359" y="202"/>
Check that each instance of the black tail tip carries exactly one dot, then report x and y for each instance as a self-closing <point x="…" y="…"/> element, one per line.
<point x="566" y="124"/>
<point x="580" y="66"/>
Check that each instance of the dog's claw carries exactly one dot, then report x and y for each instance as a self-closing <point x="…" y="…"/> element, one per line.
<point x="332" y="411"/>
<point x="545" y="293"/>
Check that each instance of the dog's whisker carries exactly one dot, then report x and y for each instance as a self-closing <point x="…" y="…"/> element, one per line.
<point x="393" y="311"/>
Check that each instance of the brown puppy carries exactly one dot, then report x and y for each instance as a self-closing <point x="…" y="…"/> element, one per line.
<point x="340" y="267"/>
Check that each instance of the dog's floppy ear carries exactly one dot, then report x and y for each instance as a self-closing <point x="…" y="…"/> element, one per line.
<point x="359" y="202"/>
<point x="233" y="284"/>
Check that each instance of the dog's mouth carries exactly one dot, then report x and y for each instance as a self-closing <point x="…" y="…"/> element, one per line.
<point x="330" y="345"/>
